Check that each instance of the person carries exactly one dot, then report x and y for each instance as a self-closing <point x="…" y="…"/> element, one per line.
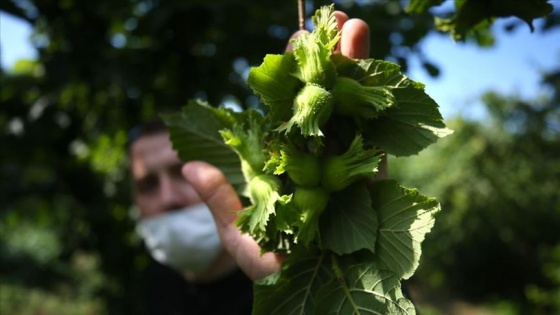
<point x="189" y="269"/>
<point x="202" y="264"/>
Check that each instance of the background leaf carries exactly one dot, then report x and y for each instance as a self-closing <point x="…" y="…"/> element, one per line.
<point x="421" y="6"/>
<point x="194" y="132"/>
<point x="473" y="16"/>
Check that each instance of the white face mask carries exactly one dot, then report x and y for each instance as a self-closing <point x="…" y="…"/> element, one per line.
<point x="186" y="239"/>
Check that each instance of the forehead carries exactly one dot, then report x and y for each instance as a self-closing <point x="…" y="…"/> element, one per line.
<point x="151" y="153"/>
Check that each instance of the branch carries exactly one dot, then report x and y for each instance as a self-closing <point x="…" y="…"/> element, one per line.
<point x="301" y="14"/>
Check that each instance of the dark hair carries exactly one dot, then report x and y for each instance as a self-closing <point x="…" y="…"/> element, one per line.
<point x="151" y="127"/>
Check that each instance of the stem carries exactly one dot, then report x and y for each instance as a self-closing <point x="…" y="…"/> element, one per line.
<point x="340" y="277"/>
<point x="301" y="14"/>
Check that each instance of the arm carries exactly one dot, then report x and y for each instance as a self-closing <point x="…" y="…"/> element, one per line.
<point x="220" y="196"/>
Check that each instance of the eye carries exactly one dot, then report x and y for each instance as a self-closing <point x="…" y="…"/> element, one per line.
<point x="175" y="172"/>
<point x="146" y="185"/>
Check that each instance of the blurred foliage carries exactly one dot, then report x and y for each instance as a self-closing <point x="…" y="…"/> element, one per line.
<point x="496" y="239"/>
<point x="472" y="18"/>
<point x="68" y="239"/>
<point x="103" y="67"/>
<point x="41" y="302"/>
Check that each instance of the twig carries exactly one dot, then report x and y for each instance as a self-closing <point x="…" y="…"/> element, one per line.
<point x="301" y="14"/>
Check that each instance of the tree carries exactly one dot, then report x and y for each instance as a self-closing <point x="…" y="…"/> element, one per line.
<point x="104" y="66"/>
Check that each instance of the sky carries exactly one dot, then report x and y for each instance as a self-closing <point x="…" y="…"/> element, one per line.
<point x="512" y="67"/>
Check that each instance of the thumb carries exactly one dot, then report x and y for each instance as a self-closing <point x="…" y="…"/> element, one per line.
<point x="214" y="189"/>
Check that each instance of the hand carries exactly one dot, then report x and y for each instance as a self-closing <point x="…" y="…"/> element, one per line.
<point x="354" y="40"/>
<point x="221" y="198"/>
<point x="214" y="189"/>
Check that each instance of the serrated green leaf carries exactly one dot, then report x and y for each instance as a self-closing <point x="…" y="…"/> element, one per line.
<point x="286" y="214"/>
<point x="326" y="28"/>
<point x="373" y="72"/>
<point x="349" y="223"/>
<point x="247" y="139"/>
<point x="354" y="99"/>
<point x="314" y="60"/>
<point x="363" y="289"/>
<point x="405" y="217"/>
<point x="263" y="194"/>
<point x="294" y="292"/>
<point x="415" y="116"/>
<point x="409" y="127"/>
<point x="312" y="51"/>
<point x="194" y="133"/>
<point x="275" y="83"/>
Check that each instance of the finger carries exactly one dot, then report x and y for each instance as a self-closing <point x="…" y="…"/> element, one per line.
<point x="341" y="18"/>
<point x="249" y="257"/>
<point x="221" y="198"/>
<point x="214" y="189"/>
<point x="355" y="39"/>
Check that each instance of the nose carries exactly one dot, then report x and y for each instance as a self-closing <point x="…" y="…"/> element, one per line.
<point x="170" y="197"/>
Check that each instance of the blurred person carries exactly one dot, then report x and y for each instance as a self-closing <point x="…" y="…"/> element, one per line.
<point x="202" y="263"/>
<point x="190" y="270"/>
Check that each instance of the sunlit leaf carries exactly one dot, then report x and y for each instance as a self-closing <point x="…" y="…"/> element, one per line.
<point x="409" y="127"/>
<point x="405" y="216"/>
<point x="363" y="289"/>
<point x="275" y="83"/>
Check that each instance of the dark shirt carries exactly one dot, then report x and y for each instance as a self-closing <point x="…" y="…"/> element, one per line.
<point x="169" y="293"/>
